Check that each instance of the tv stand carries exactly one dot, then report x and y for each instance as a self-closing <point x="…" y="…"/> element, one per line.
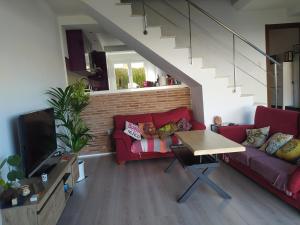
<point x="52" y="196"/>
<point x="47" y="167"/>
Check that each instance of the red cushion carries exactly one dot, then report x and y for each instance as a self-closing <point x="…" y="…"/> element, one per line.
<point x="174" y="115"/>
<point x="139" y="118"/>
<point x="279" y="120"/>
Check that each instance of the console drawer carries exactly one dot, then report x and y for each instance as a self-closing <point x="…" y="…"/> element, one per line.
<point x="53" y="208"/>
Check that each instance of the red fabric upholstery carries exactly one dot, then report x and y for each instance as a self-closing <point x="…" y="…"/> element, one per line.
<point x="120" y="135"/>
<point x="123" y="142"/>
<point x="292" y="200"/>
<point x="294" y="181"/>
<point x="160" y="119"/>
<point x="139" y="118"/>
<point x="235" y="133"/>
<point x="284" y="121"/>
<point x="279" y="121"/>
<point x="197" y="125"/>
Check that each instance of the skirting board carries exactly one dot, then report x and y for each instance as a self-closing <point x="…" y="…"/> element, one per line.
<point x="96" y="155"/>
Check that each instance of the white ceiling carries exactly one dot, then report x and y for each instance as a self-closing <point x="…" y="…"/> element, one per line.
<point x="266" y="4"/>
<point x="67" y="7"/>
<point x="94" y="32"/>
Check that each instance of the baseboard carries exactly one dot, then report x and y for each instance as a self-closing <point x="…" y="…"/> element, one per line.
<point x="95" y="155"/>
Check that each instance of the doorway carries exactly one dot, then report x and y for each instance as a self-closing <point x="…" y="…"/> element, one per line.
<point x="282" y="43"/>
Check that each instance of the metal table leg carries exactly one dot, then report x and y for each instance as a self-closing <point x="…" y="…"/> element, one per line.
<point x="202" y="177"/>
<point x="171" y="165"/>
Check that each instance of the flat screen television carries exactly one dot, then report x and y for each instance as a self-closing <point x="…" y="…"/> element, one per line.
<point x="37" y="135"/>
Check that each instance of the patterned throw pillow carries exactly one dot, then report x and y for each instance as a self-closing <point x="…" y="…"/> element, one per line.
<point x="167" y="130"/>
<point x="276" y="142"/>
<point x="183" y="125"/>
<point x="147" y="129"/>
<point x="132" y="130"/>
<point x="256" y="137"/>
<point x="290" y="151"/>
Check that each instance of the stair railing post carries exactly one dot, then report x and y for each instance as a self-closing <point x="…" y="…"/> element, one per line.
<point x="234" y="65"/>
<point x="276" y="84"/>
<point x="190" y="33"/>
<point x="145" y="32"/>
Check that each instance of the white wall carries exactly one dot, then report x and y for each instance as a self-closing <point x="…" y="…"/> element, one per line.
<point x="214" y="44"/>
<point x="30" y="62"/>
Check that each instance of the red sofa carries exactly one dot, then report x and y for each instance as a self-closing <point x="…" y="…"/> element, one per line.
<point x="277" y="176"/>
<point x="123" y="142"/>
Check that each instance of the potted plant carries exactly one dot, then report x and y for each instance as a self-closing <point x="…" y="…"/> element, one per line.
<point x="68" y="104"/>
<point x="14" y="174"/>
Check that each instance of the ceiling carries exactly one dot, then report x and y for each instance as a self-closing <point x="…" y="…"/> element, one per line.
<point x="93" y="31"/>
<point x="67" y="7"/>
<point x="266" y="4"/>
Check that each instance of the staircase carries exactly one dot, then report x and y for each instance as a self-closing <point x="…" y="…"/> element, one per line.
<point x="219" y="97"/>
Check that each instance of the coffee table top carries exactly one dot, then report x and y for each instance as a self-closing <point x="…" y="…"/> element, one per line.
<point x="205" y="142"/>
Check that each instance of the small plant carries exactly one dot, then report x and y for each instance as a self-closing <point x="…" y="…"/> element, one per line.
<point x="15" y="172"/>
<point x="68" y="103"/>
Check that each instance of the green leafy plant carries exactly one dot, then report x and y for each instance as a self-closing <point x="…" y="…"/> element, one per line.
<point x="14" y="171"/>
<point x="68" y="104"/>
<point x="139" y="76"/>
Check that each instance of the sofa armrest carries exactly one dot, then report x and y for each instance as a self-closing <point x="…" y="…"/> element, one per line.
<point x="235" y="133"/>
<point x="197" y="125"/>
<point x="119" y="135"/>
<point x="294" y="181"/>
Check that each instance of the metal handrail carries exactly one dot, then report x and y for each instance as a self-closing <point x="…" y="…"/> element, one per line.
<point x="233" y="32"/>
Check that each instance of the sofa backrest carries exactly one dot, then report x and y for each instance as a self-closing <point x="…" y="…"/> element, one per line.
<point x="279" y="120"/>
<point x="119" y="120"/>
<point x="160" y="119"/>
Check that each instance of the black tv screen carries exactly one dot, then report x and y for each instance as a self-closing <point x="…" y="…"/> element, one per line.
<point x="37" y="138"/>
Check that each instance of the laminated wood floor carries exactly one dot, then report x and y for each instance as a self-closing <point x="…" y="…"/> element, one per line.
<point x="140" y="193"/>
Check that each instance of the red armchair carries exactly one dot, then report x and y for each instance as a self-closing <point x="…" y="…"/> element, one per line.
<point x="277" y="176"/>
<point x="123" y="142"/>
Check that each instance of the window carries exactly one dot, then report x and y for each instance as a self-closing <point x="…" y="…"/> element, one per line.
<point x="131" y="75"/>
<point x="122" y="79"/>
<point x="138" y="73"/>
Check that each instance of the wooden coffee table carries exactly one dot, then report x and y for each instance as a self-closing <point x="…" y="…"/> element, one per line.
<point x="198" y="154"/>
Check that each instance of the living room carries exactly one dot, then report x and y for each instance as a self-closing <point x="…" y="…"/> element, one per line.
<point x="156" y="80"/>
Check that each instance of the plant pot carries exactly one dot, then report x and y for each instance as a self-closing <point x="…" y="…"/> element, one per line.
<point x="81" y="170"/>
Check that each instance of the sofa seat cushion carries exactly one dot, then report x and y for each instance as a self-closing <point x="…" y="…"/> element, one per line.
<point x="274" y="170"/>
<point x="154" y="145"/>
<point x="246" y="156"/>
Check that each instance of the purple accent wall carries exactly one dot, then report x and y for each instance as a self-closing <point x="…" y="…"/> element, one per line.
<point x="76" y="51"/>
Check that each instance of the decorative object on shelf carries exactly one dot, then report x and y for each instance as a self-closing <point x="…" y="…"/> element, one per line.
<point x="44" y="177"/>
<point x="14" y="201"/>
<point x="162" y="79"/>
<point x="218" y="120"/>
<point x="34" y="198"/>
<point x="25" y="190"/>
<point x="68" y="104"/>
<point x="289" y="56"/>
